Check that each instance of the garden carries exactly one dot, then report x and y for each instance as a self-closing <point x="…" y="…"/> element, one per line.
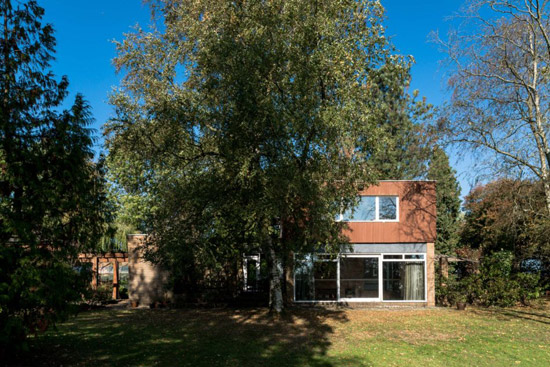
<point x="301" y="337"/>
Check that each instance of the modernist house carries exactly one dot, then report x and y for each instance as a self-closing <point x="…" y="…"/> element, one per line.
<point x="390" y="259"/>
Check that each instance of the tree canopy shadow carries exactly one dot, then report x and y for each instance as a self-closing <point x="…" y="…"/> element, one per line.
<point x="191" y="337"/>
<point x="530" y="314"/>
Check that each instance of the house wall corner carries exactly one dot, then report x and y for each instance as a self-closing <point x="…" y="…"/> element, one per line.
<point x="147" y="281"/>
<point x="430" y="270"/>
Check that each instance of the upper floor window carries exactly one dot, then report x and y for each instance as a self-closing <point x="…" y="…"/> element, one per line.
<point x="374" y="208"/>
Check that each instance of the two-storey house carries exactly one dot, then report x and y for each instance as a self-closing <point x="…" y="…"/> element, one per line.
<point x="390" y="259"/>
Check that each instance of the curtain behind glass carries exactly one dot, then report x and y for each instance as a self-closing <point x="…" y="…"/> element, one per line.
<point x="414" y="281"/>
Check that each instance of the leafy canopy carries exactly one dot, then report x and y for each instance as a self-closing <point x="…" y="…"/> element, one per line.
<point x="508" y="214"/>
<point x="250" y="124"/>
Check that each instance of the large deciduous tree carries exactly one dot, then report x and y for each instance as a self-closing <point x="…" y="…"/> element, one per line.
<point x="251" y="124"/>
<point x="508" y="215"/>
<point x="51" y="193"/>
<point x="501" y="85"/>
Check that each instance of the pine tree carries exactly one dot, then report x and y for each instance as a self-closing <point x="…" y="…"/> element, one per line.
<point x="448" y="201"/>
<point x="51" y="192"/>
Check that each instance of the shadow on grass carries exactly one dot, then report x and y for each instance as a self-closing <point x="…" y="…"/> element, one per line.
<point x="537" y="315"/>
<point x="190" y="338"/>
<point x="532" y="316"/>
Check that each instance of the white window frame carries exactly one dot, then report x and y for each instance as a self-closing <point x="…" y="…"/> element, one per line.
<point x="376" y="211"/>
<point x="362" y="256"/>
<point x="381" y="261"/>
<point x="423" y="260"/>
<point x="337" y="260"/>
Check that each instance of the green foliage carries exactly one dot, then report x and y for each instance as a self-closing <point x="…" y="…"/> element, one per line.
<point x="101" y="295"/>
<point x="448" y="202"/>
<point x="510" y="215"/>
<point x="249" y="125"/>
<point x="51" y="193"/>
<point x="405" y="145"/>
<point x="496" y="284"/>
<point x="445" y="288"/>
<point x="529" y="287"/>
<point x="115" y="237"/>
<point x="506" y="221"/>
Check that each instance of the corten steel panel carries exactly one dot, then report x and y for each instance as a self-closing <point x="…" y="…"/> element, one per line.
<point x="417" y="214"/>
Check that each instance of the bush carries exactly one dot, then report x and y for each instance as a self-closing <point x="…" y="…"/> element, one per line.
<point x="445" y="289"/>
<point x="35" y="293"/>
<point x="491" y="291"/>
<point x="123" y="291"/>
<point x="495" y="284"/>
<point x="530" y="287"/>
<point x="101" y="295"/>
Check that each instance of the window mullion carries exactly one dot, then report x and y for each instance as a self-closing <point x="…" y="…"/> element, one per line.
<point x="338" y="278"/>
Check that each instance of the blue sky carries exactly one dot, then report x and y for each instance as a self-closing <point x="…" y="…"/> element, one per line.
<point x="85" y="31"/>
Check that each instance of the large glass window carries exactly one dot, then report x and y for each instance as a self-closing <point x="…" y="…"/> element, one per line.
<point x="106" y="273"/>
<point x="365" y="210"/>
<point x="359" y="277"/>
<point x="386" y="277"/>
<point x="403" y="281"/>
<point x="373" y="208"/>
<point x="123" y="277"/>
<point x="315" y="278"/>
<point x="303" y="279"/>
<point x="251" y="272"/>
<point x="325" y="280"/>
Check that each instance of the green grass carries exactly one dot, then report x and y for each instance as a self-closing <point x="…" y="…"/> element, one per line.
<point x="224" y="337"/>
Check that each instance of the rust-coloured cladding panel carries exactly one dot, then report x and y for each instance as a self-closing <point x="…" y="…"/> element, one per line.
<point x="417" y="214"/>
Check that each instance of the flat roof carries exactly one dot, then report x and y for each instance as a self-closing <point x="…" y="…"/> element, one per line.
<point x="407" y="180"/>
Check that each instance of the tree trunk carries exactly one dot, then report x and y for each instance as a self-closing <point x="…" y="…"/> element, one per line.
<point x="542" y="144"/>
<point x="275" y="279"/>
<point x="546" y="184"/>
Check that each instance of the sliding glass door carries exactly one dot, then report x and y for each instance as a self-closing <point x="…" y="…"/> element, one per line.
<point x="404" y="277"/>
<point x="359" y="278"/>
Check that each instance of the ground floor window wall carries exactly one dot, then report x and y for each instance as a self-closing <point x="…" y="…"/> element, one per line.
<point x="360" y="277"/>
<point x="316" y="278"/>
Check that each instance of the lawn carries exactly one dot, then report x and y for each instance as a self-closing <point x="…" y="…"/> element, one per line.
<point x="227" y="337"/>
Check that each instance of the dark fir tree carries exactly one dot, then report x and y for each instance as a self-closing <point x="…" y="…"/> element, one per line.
<point x="448" y="201"/>
<point x="406" y="141"/>
<point x="51" y="192"/>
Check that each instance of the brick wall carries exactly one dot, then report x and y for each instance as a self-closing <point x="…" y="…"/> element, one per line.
<point x="147" y="282"/>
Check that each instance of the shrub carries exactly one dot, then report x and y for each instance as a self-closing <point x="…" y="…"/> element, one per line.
<point x="496" y="284"/>
<point x="101" y="295"/>
<point x="530" y="287"/>
<point x="123" y="291"/>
